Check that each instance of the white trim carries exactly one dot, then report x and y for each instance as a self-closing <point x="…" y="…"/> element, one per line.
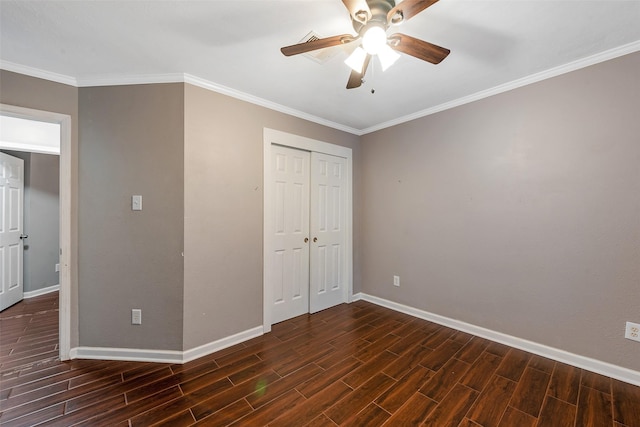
<point x="43" y="291"/>
<point x="267" y="194"/>
<point x="29" y="135"/>
<point x="123" y="80"/>
<point x="271" y="136"/>
<point x="171" y="356"/>
<point x="66" y="262"/>
<point x="593" y="365"/>
<point x="164" y="356"/>
<point x="221" y="344"/>
<point x="205" y="84"/>
<point x="119" y="80"/>
<point x="132" y="79"/>
<point x="533" y="78"/>
<point x="128" y="354"/>
<point x="29" y="148"/>
<point x="349" y="224"/>
<point x="36" y="72"/>
<point x="356" y="297"/>
<point x="208" y="85"/>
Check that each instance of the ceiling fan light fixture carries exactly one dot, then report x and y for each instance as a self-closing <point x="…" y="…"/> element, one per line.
<point x="356" y="60"/>
<point x="374" y="39"/>
<point x="371" y="20"/>
<point x="387" y="57"/>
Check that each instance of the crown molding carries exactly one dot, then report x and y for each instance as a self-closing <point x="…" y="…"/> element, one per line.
<point x="206" y="84"/>
<point x="120" y="80"/>
<point x="533" y="78"/>
<point x="36" y="72"/>
<point x="138" y="79"/>
<point x="133" y="79"/>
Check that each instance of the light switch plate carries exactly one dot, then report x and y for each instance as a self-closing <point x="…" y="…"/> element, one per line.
<point x="136" y="316"/>
<point x="136" y="203"/>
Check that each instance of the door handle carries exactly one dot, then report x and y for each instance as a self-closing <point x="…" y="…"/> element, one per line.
<point x="23" y="236"/>
<point x="315" y="239"/>
<point x="306" y="239"/>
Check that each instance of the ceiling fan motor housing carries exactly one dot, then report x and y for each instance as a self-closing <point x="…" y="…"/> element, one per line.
<point x="379" y="10"/>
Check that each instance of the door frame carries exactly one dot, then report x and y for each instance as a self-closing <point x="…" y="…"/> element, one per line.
<point x="66" y="261"/>
<point x="275" y="137"/>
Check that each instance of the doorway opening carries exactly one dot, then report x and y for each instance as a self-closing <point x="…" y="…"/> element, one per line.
<point x="64" y="123"/>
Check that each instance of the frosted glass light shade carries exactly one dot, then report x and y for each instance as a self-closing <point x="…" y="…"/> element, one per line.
<point x="356" y="60"/>
<point x="387" y="56"/>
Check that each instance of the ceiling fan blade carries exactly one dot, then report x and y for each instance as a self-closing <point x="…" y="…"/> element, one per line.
<point x="355" y="79"/>
<point x="408" y="9"/>
<point x="317" y="44"/>
<point x="418" y="48"/>
<point x="356" y="9"/>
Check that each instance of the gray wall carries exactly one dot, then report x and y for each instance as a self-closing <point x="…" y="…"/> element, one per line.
<point x="196" y="157"/>
<point x="131" y="142"/>
<point x="519" y="213"/>
<point x="30" y="92"/>
<point x="223" y="210"/>
<point x="44" y="220"/>
<point x="41" y="219"/>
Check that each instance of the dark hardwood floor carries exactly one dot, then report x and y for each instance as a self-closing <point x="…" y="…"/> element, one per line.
<point x="352" y="365"/>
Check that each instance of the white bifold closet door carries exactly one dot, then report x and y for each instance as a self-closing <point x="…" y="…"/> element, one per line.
<point x="308" y="232"/>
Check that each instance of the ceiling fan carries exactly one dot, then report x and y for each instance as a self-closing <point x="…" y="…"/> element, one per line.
<point x="371" y="19"/>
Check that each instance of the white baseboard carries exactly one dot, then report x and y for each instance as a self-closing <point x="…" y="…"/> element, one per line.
<point x="221" y="344"/>
<point x="171" y="356"/>
<point x="38" y="292"/>
<point x="163" y="356"/>
<point x="593" y="365"/>
<point x="128" y="354"/>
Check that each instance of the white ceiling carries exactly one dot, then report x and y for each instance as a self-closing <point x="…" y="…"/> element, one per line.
<point x="29" y="135"/>
<point x="233" y="46"/>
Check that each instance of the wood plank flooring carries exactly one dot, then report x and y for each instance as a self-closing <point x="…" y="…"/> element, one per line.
<point x="351" y="365"/>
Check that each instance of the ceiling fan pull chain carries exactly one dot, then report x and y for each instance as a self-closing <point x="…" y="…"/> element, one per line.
<point x="372" y="75"/>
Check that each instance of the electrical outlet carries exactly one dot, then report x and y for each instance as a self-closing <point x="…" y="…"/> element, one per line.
<point x="136" y="316"/>
<point x="632" y="331"/>
<point x="396" y="280"/>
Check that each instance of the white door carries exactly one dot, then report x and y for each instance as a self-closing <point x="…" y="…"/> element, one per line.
<point x="288" y="266"/>
<point x="305" y="269"/>
<point x="11" y="196"/>
<point x="328" y="181"/>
